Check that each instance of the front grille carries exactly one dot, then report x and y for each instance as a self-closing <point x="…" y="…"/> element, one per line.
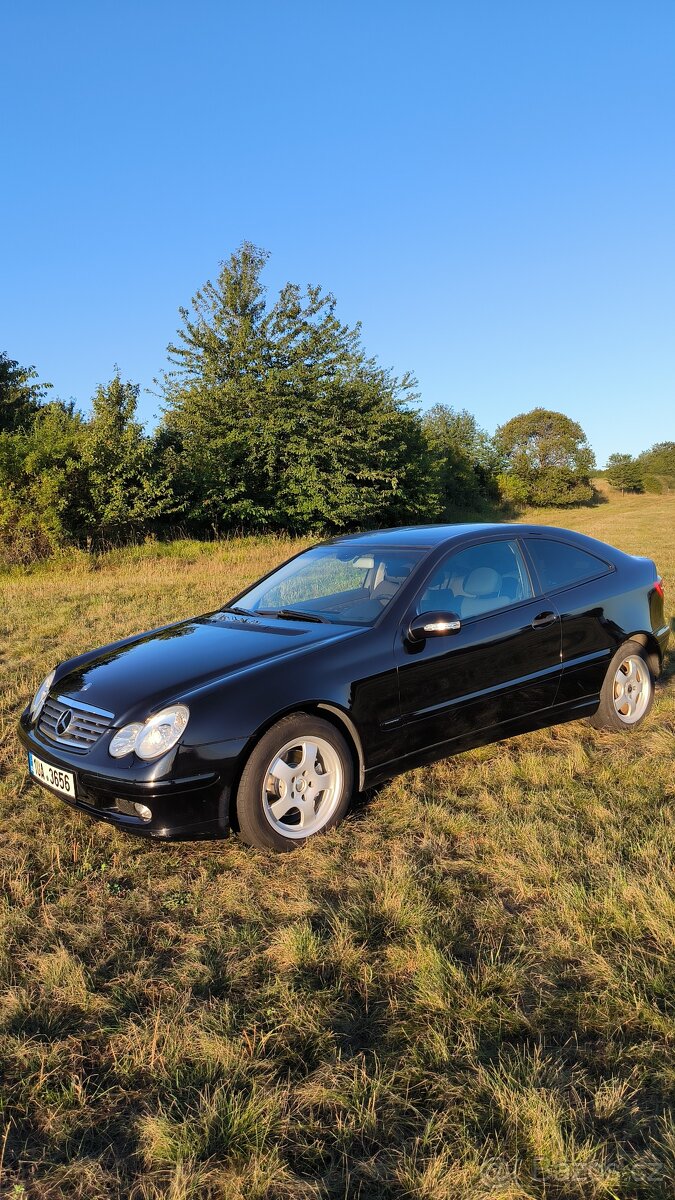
<point x="80" y="731"/>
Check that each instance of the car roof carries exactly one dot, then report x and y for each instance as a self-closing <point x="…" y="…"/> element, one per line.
<point x="427" y="537"/>
<point x="423" y="536"/>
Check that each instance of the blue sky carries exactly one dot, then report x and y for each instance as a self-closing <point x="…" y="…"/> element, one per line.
<point x="488" y="186"/>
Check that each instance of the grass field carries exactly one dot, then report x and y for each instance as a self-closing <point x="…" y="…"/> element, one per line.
<point x="465" y="991"/>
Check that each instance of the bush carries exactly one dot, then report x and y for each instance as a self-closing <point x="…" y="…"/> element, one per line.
<point x="512" y="490"/>
<point x="654" y="484"/>
<point x="25" y="536"/>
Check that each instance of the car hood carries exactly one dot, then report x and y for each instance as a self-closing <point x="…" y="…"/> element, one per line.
<point x="135" y="678"/>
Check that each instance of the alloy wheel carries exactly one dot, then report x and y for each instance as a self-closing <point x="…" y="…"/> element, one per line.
<point x="302" y="787"/>
<point x="632" y="689"/>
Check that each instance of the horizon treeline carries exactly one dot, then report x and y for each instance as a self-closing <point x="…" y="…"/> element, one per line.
<point x="274" y="418"/>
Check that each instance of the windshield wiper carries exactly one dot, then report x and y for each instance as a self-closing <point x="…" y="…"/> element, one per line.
<point x="235" y="608"/>
<point x="292" y="614"/>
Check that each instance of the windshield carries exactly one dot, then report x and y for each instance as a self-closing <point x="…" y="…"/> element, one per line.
<point x="333" y="583"/>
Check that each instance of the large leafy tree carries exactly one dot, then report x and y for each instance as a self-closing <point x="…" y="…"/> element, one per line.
<point x="279" y="418"/>
<point x="624" y="472"/>
<point x="465" y="461"/>
<point x="43" y="484"/>
<point x="658" y="467"/>
<point x="212" y="397"/>
<point x="126" y="487"/>
<point x="547" y="458"/>
<point x="20" y="396"/>
<point x="65" y="479"/>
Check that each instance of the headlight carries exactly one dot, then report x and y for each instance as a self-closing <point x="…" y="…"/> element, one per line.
<point x="157" y="735"/>
<point x="40" y="696"/>
<point x="124" y="740"/>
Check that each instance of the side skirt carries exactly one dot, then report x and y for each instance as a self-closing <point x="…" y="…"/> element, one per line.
<point x="556" y="715"/>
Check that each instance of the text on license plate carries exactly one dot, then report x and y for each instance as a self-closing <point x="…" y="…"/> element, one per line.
<point x="54" y="777"/>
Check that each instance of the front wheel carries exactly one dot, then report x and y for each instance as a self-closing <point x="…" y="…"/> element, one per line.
<point x="628" y="691"/>
<point x="297" y="782"/>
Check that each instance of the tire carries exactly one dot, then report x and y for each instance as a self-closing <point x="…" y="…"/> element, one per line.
<point x="280" y="801"/>
<point x="627" y="693"/>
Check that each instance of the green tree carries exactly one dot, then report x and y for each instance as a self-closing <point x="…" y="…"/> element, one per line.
<point x="214" y="401"/>
<point x="464" y="458"/>
<point x="658" y="467"/>
<point x="126" y="486"/>
<point x="279" y="419"/>
<point x="548" y="458"/>
<point x="43" y="485"/>
<point x="624" y="472"/>
<point x="20" y="398"/>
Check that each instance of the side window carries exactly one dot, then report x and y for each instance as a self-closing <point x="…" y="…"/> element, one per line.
<point x="560" y="564"/>
<point x="477" y="580"/>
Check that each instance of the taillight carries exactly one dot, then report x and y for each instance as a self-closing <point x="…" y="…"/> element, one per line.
<point x="658" y="588"/>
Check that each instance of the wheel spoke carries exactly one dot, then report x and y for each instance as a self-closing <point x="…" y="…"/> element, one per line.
<point x="323" y="782"/>
<point x="306" y="810"/>
<point x="284" y="804"/>
<point x="282" y="772"/>
<point x="309" y="756"/>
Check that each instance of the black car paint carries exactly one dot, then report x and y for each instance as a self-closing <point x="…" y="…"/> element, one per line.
<point x="496" y="668"/>
<point x="400" y="704"/>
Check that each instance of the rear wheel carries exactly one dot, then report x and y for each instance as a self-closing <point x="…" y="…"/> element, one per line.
<point x="297" y="783"/>
<point x="628" y="691"/>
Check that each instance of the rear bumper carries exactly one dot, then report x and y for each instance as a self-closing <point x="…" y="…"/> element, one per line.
<point x="188" y="807"/>
<point x="663" y="638"/>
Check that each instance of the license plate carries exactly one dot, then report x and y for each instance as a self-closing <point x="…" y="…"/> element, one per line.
<point x="53" y="777"/>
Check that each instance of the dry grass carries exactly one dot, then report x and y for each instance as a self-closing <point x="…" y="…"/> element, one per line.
<point x="464" y="992"/>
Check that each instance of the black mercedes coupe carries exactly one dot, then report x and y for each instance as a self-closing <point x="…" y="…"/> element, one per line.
<point x="352" y="662"/>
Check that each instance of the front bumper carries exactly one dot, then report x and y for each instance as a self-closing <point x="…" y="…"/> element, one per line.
<point x="186" y="806"/>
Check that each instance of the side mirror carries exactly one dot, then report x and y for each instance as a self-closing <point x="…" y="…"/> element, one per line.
<point x="433" y="624"/>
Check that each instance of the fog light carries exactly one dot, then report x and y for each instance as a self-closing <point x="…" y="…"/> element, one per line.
<point x="143" y="811"/>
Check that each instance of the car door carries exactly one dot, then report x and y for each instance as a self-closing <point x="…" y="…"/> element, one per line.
<point x="578" y="583"/>
<point x="503" y="663"/>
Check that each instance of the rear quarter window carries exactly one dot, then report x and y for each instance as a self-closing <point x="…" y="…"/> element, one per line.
<point x="559" y="564"/>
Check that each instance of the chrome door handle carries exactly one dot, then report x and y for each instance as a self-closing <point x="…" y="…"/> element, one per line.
<point x="544" y="619"/>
